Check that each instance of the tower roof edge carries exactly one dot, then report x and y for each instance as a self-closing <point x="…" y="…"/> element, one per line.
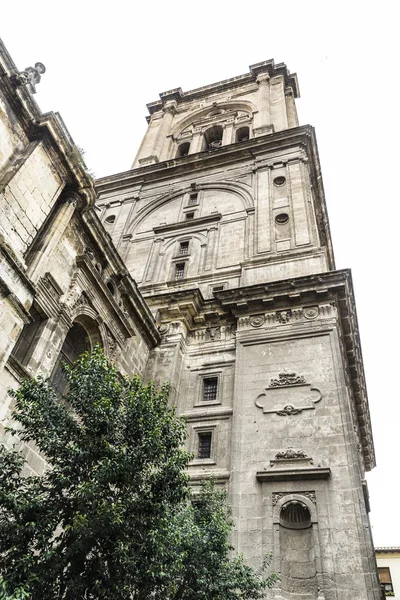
<point x="268" y="66"/>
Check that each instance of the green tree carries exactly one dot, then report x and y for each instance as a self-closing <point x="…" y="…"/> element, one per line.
<point x="111" y="519"/>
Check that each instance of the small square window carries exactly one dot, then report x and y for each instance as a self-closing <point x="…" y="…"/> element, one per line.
<point x="204" y="449"/>
<point x="210" y="389"/>
<point x="189" y="216"/>
<point x="193" y="198"/>
<point x="217" y="288"/>
<point x="179" y="270"/>
<point x="184" y="248"/>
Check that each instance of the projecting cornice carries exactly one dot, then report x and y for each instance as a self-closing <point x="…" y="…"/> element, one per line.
<point x="268" y="67"/>
<point x="335" y="288"/>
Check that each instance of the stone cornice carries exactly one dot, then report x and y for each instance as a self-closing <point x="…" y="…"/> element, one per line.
<point x="169" y="169"/>
<point x="267" y="67"/>
<point x="230" y="305"/>
<point x="253" y="151"/>
<point x="294" y="474"/>
<point x="189" y="223"/>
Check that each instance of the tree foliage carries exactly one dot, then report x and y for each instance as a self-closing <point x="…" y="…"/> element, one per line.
<point x="111" y="518"/>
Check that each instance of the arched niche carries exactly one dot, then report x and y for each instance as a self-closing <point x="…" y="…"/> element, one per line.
<point x="81" y="337"/>
<point x="297" y="547"/>
<point x="164" y="263"/>
<point x="213" y="137"/>
<point x="169" y="205"/>
<point x="183" y="149"/>
<point x="222" y="111"/>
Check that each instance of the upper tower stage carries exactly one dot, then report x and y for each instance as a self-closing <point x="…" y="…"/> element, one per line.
<point x="257" y="103"/>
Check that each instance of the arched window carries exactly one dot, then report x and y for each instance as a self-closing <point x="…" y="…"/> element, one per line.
<point x="213" y="137"/>
<point x="242" y="134"/>
<point x="183" y="149"/>
<point x="76" y="342"/>
<point x="111" y="287"/>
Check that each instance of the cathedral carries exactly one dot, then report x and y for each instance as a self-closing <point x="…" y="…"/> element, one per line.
<point x="209" y="265"/>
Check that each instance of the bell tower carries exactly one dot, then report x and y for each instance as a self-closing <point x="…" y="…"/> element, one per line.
<point x="222" y="222"/>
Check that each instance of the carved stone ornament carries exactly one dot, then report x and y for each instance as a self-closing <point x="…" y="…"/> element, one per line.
<point x="257" y="321"/>
<point x="311" y="312"/>
<point x="289" y="410"/>
<point x="163" y="329"/>
<point x="276" y="496"/>
<point x="112" y="344"/>
<point x="290" y="454"/>
<point x="288" y="395"/>
<point x="213" y="333"/>
<point x="284" y="316"/>
<point x="287" y="378"/>
<point x="31" y="76"/>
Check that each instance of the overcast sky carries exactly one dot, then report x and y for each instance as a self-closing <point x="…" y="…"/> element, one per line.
<point x="105" y="64"/>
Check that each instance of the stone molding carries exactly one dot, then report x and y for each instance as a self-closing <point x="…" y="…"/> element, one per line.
<point x="294" y="387"/>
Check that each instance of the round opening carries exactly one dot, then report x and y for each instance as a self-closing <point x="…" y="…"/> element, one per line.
<point x="282" y="218"/>
<point x="281" y="180"/>
<point x="110" y="219"/>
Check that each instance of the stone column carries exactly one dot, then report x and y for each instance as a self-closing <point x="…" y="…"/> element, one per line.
<point x="154" y="258"/>
<point x="162" y="141"/>
<point x="148" y="145"/>
<point x="299" y="203"/>
<point x="197" y="142"/>
<point x="291" y="108"/>
<point x="227" y="134"/>
<point x="262" y="121"/>
<point x="50" y="238"/>
<point x="208" y="263"/>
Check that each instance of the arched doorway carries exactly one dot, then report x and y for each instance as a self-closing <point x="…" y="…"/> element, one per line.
<point x="76" y="342"/>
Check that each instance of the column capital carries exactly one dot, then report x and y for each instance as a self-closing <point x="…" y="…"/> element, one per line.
<point x="263" y="79"/>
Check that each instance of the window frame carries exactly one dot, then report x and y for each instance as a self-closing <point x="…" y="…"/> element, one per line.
<point x="199" y="398"/>
<point x="214" y="389"/>
<point x="177" y="264"/>
<point x="197" y="431"/>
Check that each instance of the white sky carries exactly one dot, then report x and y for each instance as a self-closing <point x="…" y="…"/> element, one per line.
<point x="105" y="61"/>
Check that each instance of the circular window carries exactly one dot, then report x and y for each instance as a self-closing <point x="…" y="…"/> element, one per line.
<point x="281" y="180"/>
<point x="110" y="219"/>
<point x="282" y="218"/>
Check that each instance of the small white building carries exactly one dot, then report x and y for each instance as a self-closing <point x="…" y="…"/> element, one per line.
<point x="388" y="560"/>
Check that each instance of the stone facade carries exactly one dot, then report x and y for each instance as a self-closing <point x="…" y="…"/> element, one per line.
<point x="60" y="272"/>
<point x="222" y="224"/>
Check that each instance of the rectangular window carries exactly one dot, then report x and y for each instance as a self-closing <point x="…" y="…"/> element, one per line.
<point x="210" y="389"/>
<point x="385" y="579"/>
<point x="193" y="198"/>
<point x="28" y="337"/>
<point x="189" y="216"/>
<point x="179" y="271"/>
<point x="184" y="248"/>
<point x="204" y="450"/>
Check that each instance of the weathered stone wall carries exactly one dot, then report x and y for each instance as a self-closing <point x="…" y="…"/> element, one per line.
<point x="58" y="265"/>
<point x="255" y="104"/>
<point x="247" y="221"/>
